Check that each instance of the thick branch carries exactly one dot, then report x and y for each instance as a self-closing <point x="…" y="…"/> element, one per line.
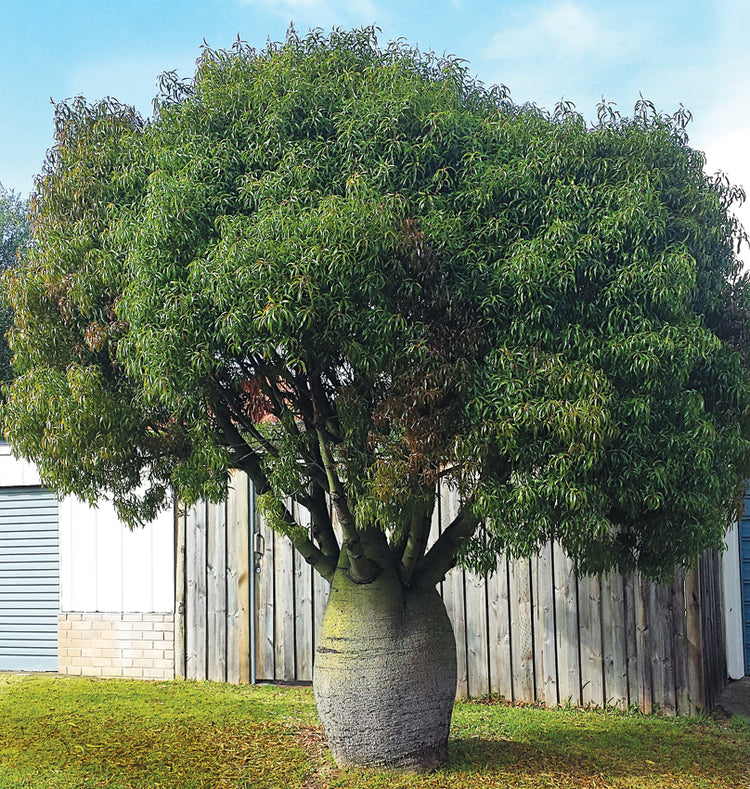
<point x="416" y="541"/>
<point x="442" y="556"/>
<point x="317" y="505"/>
<point x="242" y="455"/>
<point x="324" y="411"/>
<point x="361" y="569"/>
<point x="305" y="546"/>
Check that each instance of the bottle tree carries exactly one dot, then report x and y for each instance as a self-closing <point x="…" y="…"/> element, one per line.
<point x="354" y="273"/>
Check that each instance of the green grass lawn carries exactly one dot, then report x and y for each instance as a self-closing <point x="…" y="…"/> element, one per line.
<point x="61" y="733"/>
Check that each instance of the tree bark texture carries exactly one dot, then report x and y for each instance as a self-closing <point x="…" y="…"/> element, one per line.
<point x="385" y="674"/>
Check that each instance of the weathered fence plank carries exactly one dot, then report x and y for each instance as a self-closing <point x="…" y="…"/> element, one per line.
<point x="545" y="662"/>
<point x="644" y="698"/>
<point x="477" y="644"/>
<point x="590" y="634"/>
<point x="303" y="612"/>
<point x="238" y="582"/>
<point x="265" y="625"/>
<point x="499" y="631"/>
<point x="216" y="602"/>
<point x="567" y="636"/>
<point x="196" y="624"/>
<point x="613" y="641"/>
<point x="521" y="630"/>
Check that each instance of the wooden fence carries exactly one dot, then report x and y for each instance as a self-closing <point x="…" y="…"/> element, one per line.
<point x="531" y="632"/>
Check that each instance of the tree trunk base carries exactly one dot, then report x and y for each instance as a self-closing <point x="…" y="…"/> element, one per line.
<point x="385" y="675"/>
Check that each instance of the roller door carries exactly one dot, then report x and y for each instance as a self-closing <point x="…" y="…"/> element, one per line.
<point x="29" y="579"/>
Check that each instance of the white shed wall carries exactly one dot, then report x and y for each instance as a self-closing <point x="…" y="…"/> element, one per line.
<point x="16" y="473"/>
<point x="106" y="567"/>
<point x="733" y="605"/>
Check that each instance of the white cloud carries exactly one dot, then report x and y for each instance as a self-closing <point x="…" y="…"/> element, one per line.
<point x="730" y="153"/>
<point x="722" y="132"/>
<point x="563" y="30"/>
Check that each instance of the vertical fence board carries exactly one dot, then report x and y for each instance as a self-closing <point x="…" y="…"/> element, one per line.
<point x="693" y="638"/>
<point x="180" y="629"/>
<point x="196" y="584"/>
<point x="216" y="566"/>
<point x="590" y="628"/>
<point x="613" y="641"/>
<point x="545" y="662"/>
<point x="522" y="630"/>
<point x="567" y="638"/>
<point x="499" y="631"/>
<point x="455" y="603"/>
<point x="629" y="589"/>
<point x="477" y="643"/>
<point x="265" y="584"/>
<point x="660" y="619"/>
<point x="643" y="645"/>
<point x="238" y="581"/>
<point x="454" y="593"/>
<point x="679" y="644"/>
<point x="303" y="610"/>
<point x="284" y="608"/>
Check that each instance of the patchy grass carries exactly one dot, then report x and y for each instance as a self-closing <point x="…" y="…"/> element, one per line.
<point x="65" y="733"/>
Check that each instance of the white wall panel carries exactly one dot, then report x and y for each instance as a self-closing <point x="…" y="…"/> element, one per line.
<point x="16" y="473"/>
<point x="105" y="567"/>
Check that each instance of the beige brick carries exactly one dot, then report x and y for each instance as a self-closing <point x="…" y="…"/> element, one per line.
<point x="143" y="662"/>
<point x="153" y="673"/>
<point x="163" y="664"/>
<point x="132" y="654"/>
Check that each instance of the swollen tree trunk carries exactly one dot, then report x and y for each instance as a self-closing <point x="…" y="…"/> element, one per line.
<point x="385" y="674"/>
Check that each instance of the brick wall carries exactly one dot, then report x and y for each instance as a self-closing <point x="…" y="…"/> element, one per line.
<point x="116" y="645"/>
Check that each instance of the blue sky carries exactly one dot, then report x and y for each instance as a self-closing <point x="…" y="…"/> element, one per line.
<point x="672" y="52"/>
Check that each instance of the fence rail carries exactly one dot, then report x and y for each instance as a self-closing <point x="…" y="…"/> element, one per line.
<point x="531" y="632"/>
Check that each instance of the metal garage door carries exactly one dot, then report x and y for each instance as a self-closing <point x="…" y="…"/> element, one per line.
<point x="29" y="580"/>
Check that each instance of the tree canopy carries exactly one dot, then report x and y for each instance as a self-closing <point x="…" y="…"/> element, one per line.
<point x="14" y="236"/>
<point x="353" y="272"/>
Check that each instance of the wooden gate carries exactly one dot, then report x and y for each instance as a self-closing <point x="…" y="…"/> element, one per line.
<point x="531" y="632"/>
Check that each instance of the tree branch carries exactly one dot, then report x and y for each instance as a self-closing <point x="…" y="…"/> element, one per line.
<point x="304" y="545"/>
<point x="317" y="505"/>
<point x="361" y="569"/>
<point x="242" y="455"/>
<point x="416" y="541"/>
<point x="442" y="556"/>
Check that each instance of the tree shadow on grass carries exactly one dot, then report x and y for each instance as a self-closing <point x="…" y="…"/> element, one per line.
<point x="652" y="754"/>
